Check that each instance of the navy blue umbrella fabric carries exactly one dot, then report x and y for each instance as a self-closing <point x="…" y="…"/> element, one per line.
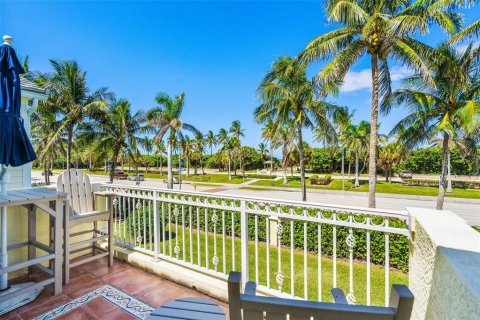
<point x="15" y="146"/>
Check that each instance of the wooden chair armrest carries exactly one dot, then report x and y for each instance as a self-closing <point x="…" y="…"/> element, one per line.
<point x="103" y="194"/>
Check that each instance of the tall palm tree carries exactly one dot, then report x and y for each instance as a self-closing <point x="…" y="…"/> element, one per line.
<point x="44" y="125"/>
<point x="187" y="151"/>
<point x="236" y="129"/>
<point x="147" y="143"/>
<point x="222" y="136"/>
<point x="199" y="148"/>
<point x="390" y="154"/>
<point x="119" y="129"/>
<point x="229" y="148"/>
<point x="69" y="94"/>
<point x="286" y="93"/>
<point x="285" y="138"/>
<point x="451" y="108"/>
<point x="382" y="30"/>
<point x="166" y="117"/>
<point x="262" y="149"/>
<point x="268" y="133"/>
<point x="355" y="138"/>
<point x="211" y="140"/>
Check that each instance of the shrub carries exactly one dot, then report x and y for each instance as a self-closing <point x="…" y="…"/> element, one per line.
<point x="261" y="176"/>
<point x="434" y="183"/>
<point x="325" y="180"/>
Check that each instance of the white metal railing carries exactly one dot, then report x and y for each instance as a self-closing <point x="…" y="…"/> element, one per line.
<point x="289" y="248"/>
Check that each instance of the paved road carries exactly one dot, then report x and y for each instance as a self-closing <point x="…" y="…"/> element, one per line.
<point x="466" y="208"/>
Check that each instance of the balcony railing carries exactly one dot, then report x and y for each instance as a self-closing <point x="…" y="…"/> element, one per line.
<point x="294" y="249"/>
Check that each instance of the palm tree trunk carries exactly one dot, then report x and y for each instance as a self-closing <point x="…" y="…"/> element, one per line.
<point x="229" y="173"/>
<point x="45" y="172"/>
<point x="303" y="185"/>
<point x="357" y="183"/>
<point x="449" y="184"/>
<point x="285" y="181"/>
<point x="113" y="165"/>
<point x="442" y="186"/>
<point x="169" y="165"/>
<point x="69" y="147"/>
<point x="188" y="167"/>
<point x="372" y="166"/>
<point x="271" y="158"/>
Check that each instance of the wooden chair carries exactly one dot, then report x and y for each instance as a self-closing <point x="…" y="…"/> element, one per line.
<point x="269" y="308"/>
<point x="82" y="207"/>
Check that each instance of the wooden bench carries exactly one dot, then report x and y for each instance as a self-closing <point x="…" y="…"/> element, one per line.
<point x="270" y="308"/>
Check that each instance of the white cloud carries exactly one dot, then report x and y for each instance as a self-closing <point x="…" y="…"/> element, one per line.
<point x="362" y="80"/>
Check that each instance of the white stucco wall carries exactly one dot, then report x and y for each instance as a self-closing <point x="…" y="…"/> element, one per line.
<point x="444" y="267"/>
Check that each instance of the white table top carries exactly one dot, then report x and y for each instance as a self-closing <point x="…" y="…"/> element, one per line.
<point x="31" y="195"/>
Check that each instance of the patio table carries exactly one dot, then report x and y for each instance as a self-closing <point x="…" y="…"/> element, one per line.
<point x="189" y="308"/>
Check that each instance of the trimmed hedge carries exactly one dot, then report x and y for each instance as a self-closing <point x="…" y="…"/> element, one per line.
<point x="399" y="247"/>
<point x="261" y="176"/>
<point x="434" y="183"/>
<point x="325" y="180"/>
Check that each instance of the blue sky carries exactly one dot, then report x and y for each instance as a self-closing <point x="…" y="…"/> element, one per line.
<point x="215" y="51"/>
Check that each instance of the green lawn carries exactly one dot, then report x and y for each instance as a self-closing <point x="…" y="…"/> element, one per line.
<point x="382" y="187"/>
<point x="206" y="178"/>
<point x="377" y="272"/>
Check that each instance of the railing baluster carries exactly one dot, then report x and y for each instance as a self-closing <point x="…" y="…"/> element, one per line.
<point x="256" y="249"/>
<point x="334" y="236"/>
<point x="215" y="256"/>
<point x="268" y="250"/>
<point x="233" y="241"/>
<point x="305" y="261"/>
<point x="292" y="262"/>
<point x="387" y="265"/>
<point x="199" y="257"/>
<point x="163" y="231"/>
<point x="368" y="265"/>
<point x="224" y="244"/>
<point x="244" y="241"/>
<point x="183" y="235"/>
<point x="150" y="224"/>
<point x="144" y="226"/>
<point x="170" y="244"/>
<point x="280" y="278"/>
<point x="319" y="261"/>
<point x="350" y="244"/>
<point x="207" y="262"/>
<point x="191" y="232"/>
<point x="156" y="227"/>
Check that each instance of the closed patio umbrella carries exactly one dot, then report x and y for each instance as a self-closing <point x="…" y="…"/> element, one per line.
<point x="15" y="150"/>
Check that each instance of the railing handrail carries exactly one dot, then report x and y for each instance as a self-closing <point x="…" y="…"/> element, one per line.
<point x="401" y="214"/>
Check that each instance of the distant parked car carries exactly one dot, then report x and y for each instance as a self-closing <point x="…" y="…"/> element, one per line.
<point x="406" y="174"/>
<point x="137" y="177"/>
<point x="120" y="175"/>
<point x="175" y="180"/>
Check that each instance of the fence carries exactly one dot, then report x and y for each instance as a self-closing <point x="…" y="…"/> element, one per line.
<point x="291" y="249"/>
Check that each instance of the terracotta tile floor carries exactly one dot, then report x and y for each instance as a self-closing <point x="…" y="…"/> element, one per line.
<point x="151" y="289"/>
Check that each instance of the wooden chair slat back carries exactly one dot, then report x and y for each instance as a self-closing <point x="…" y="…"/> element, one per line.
<point x="79" y="189"/>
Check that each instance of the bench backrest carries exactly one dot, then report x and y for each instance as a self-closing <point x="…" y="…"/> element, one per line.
<point x="79" y="189"/>
<point x="270" y="308"/>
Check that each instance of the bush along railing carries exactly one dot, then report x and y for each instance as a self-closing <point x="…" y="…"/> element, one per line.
<point x="294" y="249"/>
<point x="434" y="183"/>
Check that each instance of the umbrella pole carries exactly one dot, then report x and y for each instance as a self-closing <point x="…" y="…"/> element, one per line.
<point x="4" y="252"/>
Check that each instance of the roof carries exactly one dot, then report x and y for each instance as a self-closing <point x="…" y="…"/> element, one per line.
<point x="28" y="85"/>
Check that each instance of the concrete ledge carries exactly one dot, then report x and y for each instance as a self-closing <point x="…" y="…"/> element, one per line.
<point x="444" y="266"/>
<point x="205" y="283"/>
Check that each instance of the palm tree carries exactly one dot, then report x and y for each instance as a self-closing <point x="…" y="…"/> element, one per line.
<point x="390" y="154"/>
<point x="117" y="130"/>
<point x="187" y="151"/>
<point x="210" y="140"/>
<point x="166" y="118"/>
<point x="229" y="148"/>
<point x="236" y="129"/>
<point x="356" y="140"/>
<point x="268" y="133"/>
<point x="199" y="148"/>
<point x="222" y="136"/>
<point x="449" y="109"/>
<point x="159" y="151"/>
<point x="44" y="125"/>
<point x="285" y="137"/>
<point x="286" y="93"/>
<point x="69" y="95"/>
<point x="262" y="149"/>
<point x="381" y="29"/>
